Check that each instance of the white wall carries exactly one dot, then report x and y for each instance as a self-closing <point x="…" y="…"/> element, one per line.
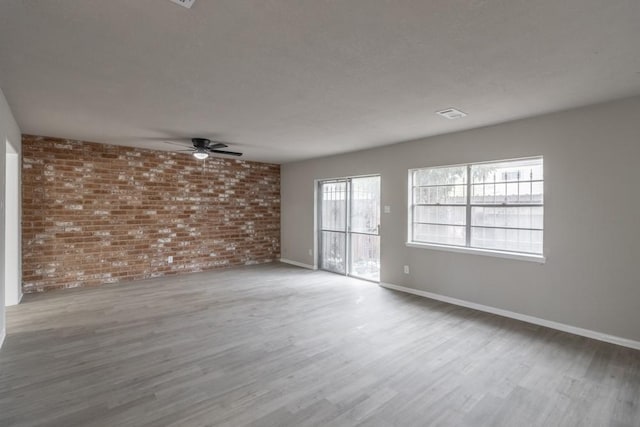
<point x="591" y="279"/>
<point x="13" y="232"/>
<point x="9" y="132"/>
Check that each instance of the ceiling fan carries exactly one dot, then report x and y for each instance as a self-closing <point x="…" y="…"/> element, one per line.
<point x="203" y="146"/>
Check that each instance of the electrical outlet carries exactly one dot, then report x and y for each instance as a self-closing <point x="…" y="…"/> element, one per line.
<point x="310" y="252"/>
<point x="170" y="259"/>
<point x="406" y="269"/>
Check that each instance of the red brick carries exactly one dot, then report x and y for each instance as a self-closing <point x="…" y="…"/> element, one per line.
<point x="97" y="213"/>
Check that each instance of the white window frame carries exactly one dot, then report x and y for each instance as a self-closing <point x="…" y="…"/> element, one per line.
<point x="524" y="256"/>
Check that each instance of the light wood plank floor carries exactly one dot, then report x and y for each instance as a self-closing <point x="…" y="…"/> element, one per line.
<point x="275" y="345"/>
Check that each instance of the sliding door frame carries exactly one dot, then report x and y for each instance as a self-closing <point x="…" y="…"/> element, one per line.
<point x="321" y="229"/>
<point x="318" y="221"/>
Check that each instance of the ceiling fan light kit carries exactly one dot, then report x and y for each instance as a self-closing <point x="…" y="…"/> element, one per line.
<point x="200" y="155"/>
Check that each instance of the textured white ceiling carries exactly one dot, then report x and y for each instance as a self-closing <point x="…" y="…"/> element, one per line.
<point x="284" y="80"/>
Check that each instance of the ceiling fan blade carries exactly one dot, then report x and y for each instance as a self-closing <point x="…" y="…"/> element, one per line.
<point x="175" y="143"/>
<point x="216" y="145"/>
<point x="229" y="153"/>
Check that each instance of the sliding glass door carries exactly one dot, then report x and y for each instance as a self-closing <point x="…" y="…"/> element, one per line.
<point x="364" y="228"/>
<point x="349" y="225"/>
<point x="333" y="226"/>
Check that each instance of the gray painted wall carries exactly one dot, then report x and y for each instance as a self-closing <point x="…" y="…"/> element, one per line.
<point x="9" y="131"/>
<point x="592" y="207"/>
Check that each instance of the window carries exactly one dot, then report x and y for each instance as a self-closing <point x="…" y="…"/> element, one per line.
<point x="494" y="206"/>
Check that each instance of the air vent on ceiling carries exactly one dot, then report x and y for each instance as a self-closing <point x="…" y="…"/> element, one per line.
<point x="452" y="113"/>
<point x="184" y="3"/>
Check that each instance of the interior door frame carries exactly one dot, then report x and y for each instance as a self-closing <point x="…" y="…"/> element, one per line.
<point x="317" y="220"/>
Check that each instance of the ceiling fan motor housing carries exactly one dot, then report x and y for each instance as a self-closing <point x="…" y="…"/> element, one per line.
<point x="200" y="142"/>
<point x="206" y="146"/>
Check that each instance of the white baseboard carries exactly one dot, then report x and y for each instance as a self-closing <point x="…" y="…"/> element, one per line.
<point x="625" y="342"/>
<point x="3" y="334"/>
<point x="298" y="264"/>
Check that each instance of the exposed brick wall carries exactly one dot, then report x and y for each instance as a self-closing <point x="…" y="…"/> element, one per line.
<point x="96" y="213"/>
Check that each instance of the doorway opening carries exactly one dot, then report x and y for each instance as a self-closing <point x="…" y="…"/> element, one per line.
<point x="349" y="226"/>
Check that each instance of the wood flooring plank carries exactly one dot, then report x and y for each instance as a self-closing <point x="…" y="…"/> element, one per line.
<point x="276" y="345"/>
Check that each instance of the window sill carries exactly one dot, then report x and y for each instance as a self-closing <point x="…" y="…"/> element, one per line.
<point x="540" y="259"/>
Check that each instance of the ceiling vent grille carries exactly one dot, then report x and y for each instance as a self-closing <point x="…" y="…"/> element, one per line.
<point x="184" y="3"/>
<point x="452" y="113"/>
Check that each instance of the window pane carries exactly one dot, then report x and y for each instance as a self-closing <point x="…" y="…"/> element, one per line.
<point x="507" y="225"/>
<point x="334" y="206"/>
<point x="333" y="251"/>
<point x="446" y="195"/>
<point x="483" y="193"/>
<point x="440" y="176"/>
<point x="507" y="239"/>
<point x="443" y="234"/>
<point x="524" y="192"/>
<point x="365" y="256"/>
<point x="440" y="214"/>
<point x="511" y="193"/>
<point x="537" y="194"/>
<point x="508" y="217"/>
<point x="365" y="204"/>
<point x="513" y="182"/>
<point x="508" y="171"/>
